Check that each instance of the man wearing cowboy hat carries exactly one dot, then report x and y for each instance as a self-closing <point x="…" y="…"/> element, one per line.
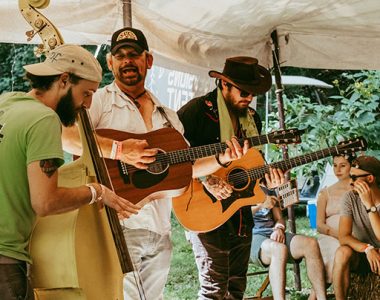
<point x="359" y="225"/>
<point x="222" y="255"/>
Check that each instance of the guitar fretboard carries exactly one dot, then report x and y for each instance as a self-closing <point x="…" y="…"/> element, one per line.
<point x="287" y="164"/>
<point x="191" y="154"/>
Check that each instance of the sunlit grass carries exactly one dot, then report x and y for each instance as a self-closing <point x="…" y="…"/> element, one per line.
<point x="183" y="277"/>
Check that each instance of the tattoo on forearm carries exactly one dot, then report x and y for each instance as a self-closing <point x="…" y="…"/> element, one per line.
<point x="49" y="166"/>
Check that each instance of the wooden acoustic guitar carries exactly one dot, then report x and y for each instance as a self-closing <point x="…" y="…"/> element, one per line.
<point x="197" y="210"/>
<point x="171" y="173"/>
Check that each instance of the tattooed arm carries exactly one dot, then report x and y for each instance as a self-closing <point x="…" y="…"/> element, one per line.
<point x="47" y="198"/>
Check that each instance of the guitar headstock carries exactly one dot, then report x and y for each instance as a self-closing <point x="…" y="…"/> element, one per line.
<point x="351" y="146"/>
<point x="285" y="136"/>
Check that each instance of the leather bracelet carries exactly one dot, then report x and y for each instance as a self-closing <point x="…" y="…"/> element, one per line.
<point x="219" y="162"/>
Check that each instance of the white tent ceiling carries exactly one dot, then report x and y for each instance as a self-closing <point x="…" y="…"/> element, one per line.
<point x="334" y="34"/>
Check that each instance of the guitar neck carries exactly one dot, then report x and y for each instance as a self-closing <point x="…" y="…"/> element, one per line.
<point x="193" y="153"/>
<point x="257" y="173"/>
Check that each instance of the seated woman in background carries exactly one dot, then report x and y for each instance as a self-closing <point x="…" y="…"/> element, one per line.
<point x="328" y="212"/>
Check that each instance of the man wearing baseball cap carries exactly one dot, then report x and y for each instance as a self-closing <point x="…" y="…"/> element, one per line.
<point x="31" y="152"/>
<point x="126" y="105"/>
<point x="359" y="226"/>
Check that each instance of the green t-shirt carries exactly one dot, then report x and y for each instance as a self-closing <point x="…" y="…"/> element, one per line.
<point x="29" y="131"/>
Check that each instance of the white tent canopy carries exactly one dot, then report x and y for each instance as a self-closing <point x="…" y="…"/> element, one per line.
<point x="334" y="34"/>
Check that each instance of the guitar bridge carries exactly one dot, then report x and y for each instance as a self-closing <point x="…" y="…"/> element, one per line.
<point x="124" y="172"/>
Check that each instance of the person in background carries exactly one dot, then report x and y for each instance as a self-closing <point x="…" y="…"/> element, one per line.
<point x="359" y="225"/>
<point x="328" y="212"/>
<point x="222" y="255"/>
<point x="31" y="152"/>
<point x="126" y="105"/>
<point x="273" y="247"/>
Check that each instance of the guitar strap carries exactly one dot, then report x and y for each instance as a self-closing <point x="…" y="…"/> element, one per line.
<point x="163" y="113"/>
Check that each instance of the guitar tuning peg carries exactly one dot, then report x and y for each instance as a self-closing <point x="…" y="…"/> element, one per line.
<point x="39" y="50"/>
<point x="52" y="42"/>
<point x="30" y="33"/>
<point x="39" y="23"/>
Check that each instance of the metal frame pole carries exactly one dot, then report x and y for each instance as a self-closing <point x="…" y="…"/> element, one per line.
<point x="280" y="105"/>
<point x="127" y="13"/>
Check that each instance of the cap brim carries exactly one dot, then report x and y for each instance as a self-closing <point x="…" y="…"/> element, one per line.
<point x="42" y="69"/>
<point x="263" y="85"/>
<point x="127" y="44"/>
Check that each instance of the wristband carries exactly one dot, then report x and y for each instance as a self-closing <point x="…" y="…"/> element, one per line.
<point x="116" y="150"/>
<point x="219" y="162"/>
<point x="94" y="194"/>
<point x="279" y="226"/>
<point x="369" y="247"/>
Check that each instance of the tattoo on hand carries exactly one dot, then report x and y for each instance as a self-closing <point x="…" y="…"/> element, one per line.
<point x="49" y="166"/>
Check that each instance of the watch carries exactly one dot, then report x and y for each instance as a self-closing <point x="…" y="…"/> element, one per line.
<point x="372" y="209"/>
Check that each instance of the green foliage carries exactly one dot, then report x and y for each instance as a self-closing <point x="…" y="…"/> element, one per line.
<point x="356" y="114"/>
<point x="12" y="73"/>
<point x="15" y="56"/>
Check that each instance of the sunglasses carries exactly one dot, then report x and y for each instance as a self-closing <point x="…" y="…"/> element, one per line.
<point x="354" y="177"/>
<point x="243" y="94"/>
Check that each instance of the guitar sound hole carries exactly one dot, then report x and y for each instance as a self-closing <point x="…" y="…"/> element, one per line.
<point x="238" y="178"/>
<point x="160" y="165"/>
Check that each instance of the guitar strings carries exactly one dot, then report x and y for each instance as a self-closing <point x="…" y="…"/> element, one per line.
<point x="193" y="153"/>
<point x="258" y="172"/>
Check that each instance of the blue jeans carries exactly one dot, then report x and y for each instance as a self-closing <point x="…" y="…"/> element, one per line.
<point x="14" y="284"/>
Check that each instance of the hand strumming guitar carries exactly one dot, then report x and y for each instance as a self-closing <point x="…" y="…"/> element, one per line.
<point x="137" y="153"/>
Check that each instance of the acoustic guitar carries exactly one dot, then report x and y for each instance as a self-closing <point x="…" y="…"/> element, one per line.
<point x="171" y="173"/>
<point x="198" y="210"/>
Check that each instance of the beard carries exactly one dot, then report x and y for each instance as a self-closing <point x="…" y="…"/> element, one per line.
<point x="66" y="109"/>
<point x="237" y="111"/>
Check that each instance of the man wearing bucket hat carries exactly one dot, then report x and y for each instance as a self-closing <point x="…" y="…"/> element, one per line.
<point x="31" y="152"/>
<point x="222" y="255"/>
<point x="126" y="105"/>
<point x="359" y="225"/>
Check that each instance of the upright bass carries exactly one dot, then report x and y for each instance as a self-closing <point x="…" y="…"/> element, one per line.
<point x="81" y="254"/>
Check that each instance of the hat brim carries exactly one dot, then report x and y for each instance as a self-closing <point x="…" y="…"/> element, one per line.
<point x="257" y="87"/>
<point x="42" y="69"/>
<point x="135" y="46"/>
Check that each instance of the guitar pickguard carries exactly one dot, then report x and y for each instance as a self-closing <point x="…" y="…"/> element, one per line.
<point x="241" y="194"/>
<point x="142" y="179"/>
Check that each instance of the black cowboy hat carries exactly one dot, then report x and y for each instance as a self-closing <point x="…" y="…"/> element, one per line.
<point x="245" y="73"/>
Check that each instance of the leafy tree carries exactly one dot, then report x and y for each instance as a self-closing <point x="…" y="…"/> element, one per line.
<point x="15" y="56"/>
<point x="356" y="114"/>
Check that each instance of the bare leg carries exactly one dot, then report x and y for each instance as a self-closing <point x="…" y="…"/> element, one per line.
<point x="275" y="254"/>
<point x="312" y="295"/>
<point x="341" y="272"/>
<point x="307" y="247"/>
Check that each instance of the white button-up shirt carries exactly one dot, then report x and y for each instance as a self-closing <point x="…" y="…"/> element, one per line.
<point x="112" y="109"/>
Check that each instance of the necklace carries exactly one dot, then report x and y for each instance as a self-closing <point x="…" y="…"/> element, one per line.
<point x="134" y="99"/>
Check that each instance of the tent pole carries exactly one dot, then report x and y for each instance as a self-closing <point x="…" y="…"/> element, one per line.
<point x="127" y="13"/>
<point x="285" y="155"/>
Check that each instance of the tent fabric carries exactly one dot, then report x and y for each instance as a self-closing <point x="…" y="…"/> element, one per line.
<point x="333" y="34"/>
